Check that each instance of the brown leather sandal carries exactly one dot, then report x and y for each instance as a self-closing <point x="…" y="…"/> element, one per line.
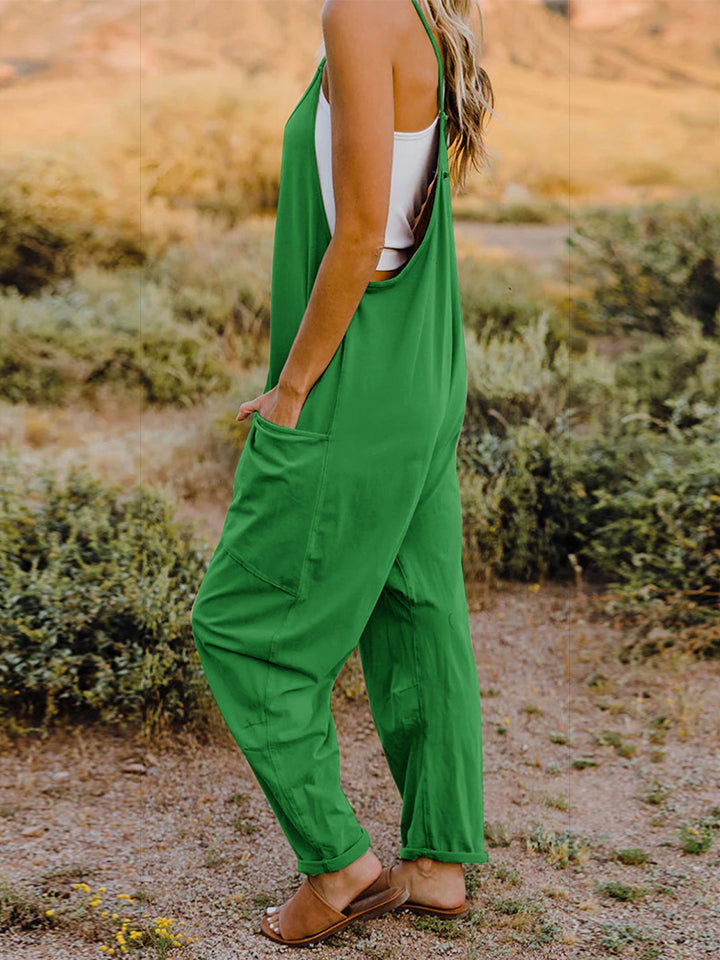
<point x="383" y="882"/>
<point x="445" y="913"/>
<point x="307" y="917"/>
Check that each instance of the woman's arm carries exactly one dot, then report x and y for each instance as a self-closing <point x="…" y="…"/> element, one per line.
<point x="359" y="51"/>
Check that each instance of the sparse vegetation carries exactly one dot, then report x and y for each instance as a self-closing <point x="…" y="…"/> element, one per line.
<point x="695" y="837"/>
<point x="559" y="738"/>
<point x="632" y="856"/>
<point x="96" y="915"/>
<point x="559" y="848"/>
<point x="508" y="875"/>
<point x="623" y="891"/>
<point x="657" y="794"/>
<point x="617" y="936"/>
<point x="496" y="834"/>
<point x="240" y="818"/>
<point x="446" y="929"/>
<point x="582" y="763"/>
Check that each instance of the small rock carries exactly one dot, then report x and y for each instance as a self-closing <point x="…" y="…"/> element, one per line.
<point x="134" y="768"/>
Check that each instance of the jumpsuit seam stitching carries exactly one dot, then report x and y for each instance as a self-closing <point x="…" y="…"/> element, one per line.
<point x="304" y="95"/>
<point x="269" y="743"/>
<point x="268" y="673"/>
<point x="421" y="704"/>
<point x="411" y="616"/>
<point x="252" y="569"/>
<point x="319" y="499"/>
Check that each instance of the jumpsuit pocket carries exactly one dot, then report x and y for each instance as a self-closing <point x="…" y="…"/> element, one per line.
<point x="276" y="490"/>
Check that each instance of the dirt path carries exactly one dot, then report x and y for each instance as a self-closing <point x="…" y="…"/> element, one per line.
<point x="194" y="838"/>
<point x="540" y="244"/>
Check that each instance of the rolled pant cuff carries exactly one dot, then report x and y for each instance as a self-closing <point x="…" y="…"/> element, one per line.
<point x="337" y="863"/>
<point x="447" y="856"/>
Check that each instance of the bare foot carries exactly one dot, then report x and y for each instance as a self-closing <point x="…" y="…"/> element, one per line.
<point x="433" y="883"/>
<point x="340" y="886"/>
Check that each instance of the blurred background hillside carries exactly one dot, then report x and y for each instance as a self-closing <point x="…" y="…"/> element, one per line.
<point x="605" y="100"/>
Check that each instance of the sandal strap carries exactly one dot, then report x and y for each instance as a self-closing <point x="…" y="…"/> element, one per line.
<point x="381" y="883"/>
<point x="307" y="913"/>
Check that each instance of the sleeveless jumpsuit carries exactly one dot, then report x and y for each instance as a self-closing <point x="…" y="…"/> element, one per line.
<point x="347" y="531"/>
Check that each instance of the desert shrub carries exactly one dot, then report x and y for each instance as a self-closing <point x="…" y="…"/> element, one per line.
<point x="659" y="546"/>
<point x="648" y="265"/>
<point x="96" y="588"/>
<point x="225" y="284"/>
<point x="638" y="509"/>
<point x="52" y="222"/>
<point x="61" y="346"/>
<point x="661" y="525"/>
<point x="519" y="500"/>
<point x="513" y="378"/>
<point x="664" y="373"/>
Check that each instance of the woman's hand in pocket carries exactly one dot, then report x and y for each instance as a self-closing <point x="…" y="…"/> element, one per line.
<point x="277" y="405"/>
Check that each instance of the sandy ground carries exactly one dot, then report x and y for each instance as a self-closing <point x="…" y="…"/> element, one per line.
<point x="159" y="819"/>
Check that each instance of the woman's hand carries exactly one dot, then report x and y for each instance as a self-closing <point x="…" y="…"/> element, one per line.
<point x="278" y="405"/>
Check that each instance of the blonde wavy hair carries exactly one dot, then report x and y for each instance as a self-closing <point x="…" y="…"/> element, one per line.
<point x="469" y="96"/>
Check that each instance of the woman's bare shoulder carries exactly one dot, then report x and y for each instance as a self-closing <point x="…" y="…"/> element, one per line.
<point x="364" y="19"/>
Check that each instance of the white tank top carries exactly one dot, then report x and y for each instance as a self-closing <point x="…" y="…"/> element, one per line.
<point x="413" y="166"/>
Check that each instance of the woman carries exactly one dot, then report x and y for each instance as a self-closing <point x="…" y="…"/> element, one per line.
<point x="345" y="523"/>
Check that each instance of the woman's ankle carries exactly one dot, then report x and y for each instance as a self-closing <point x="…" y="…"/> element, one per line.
<point x="426" y="866"/>
<point x="366" y="863"/>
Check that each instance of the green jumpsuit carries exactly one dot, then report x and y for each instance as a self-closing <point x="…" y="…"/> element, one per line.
<point x="346" y="530"/>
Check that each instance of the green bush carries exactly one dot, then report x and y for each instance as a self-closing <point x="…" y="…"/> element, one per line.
<point x="96" y="589"/>
<point x="638" y="509"/>
<point x="666" y="373"/>
<point x="110" y="329"/>
<point x="661" y="524"/>
<point x="520" y="500"/>
<point x="648" y="265"/>
<point x="513" y="378"/>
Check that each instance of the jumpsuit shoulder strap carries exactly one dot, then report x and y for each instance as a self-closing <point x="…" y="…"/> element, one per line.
<point x="441" y="79"/>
